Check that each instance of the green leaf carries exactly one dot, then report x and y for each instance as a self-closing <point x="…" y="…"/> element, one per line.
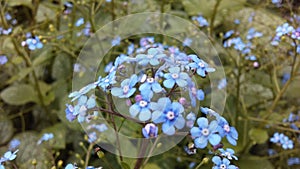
<point x="259" y="136"/>
<point x="42" y="58"/>
<point x="20" y="75"/>
<point x="44" y="13"/>
<point x="30" y="150"/>
<point x="59" y="132"/>
<point x="19" y="94"/>
<point x="20" y="2"/>
<point x="125" y="165"/>
<point x="6" y="129"/>
<point x="61" y="67"/>
<point x="250" y="162"/>
<point x="151" y="166"/>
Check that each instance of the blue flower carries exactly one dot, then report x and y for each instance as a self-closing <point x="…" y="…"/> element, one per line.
<point x="3" y="59"/>
<point x="13" y="144"/>
<point x="84" y="103"/>
<point x="210" y="112"/>
<point x="76" y="94"/>
<point x="228" y="153"/>
<point x="92" y="137"/>
<point x="8" y="156"/>
<point x="146" y="41"/>
<point x="150" y="85"/>
<point x="127" y="88"/>
<point x="116" y="41"/>
<point x="293" y="161"/>
<point x="225" y="130"/>
<point x="45" y="137"/>
<point x="201" y="66"/>
<point x="150" y="130"/>
<point x="200" y="20"/>
<point x="284" y="29"/>
<point x="276" y="2"/>
<point x="195" y="93"/>
<point x="222" y="84"/>
<point x="99" y="127"/>
<point x="205" y="133"/>
<point x="276" y="137"/>
<point x="71" y="166"/>
<point x="141" y="107"/>
<point x="130" y="49"/>
<point x="168" y="113"/>
<point x="108" y="67"/>
<point x="228" y="34"/>
<point x="222" y="163"/>
<point x="253" y="34"/>
<point x="187" y="42"/>
<point x="190" y="119"/>
<point x="286" y="143"/>
<point x="153" y="55"/>
<point x="69" y="113"/>
<point x="108" y="80"/>
<point x="237" y="21"/>
<point x="175" y="76"/>
<point x="296" y="34"/>
<point x="33" y="43"/>
<point x="79" y="22"/>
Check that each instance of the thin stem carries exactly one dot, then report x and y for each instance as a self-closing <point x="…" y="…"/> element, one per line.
<point x="88" y="154"/>
<point x="141" y="155"/>
<point x="212" y="20"/>
<point x="151" y="151"/>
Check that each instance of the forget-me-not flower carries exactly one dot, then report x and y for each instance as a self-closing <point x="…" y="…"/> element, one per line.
<point x="150" y="130"/>
<point x="206" y="132"/>
<point x="168" y="113"/>
<point x="141" y="108"/>
<point x="222" y="163"/>
<point x="225" y="130"/>
<point x="127" y="88"/>
<point x="153" y="55"/>
<point x="150" y="86"/>
<point x="201" y="66"/>
<point x="45" y="137"/>
<point x="175" y="76"/>
<point x="228" y="153"/>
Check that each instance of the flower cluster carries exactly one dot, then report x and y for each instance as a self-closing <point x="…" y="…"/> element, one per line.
<point x="32" y="42"/>
<point x="283" y="140"/>
<point x="8" y="156"/>
<point x="285" y="30"/>
<point x="200" y="20"/>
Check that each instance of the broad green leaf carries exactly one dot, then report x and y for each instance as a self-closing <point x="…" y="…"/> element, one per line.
<point x="61" y="67"/>
<point x="258" y="135"/>
<point x="6" y="129"/>
<point x="30" y="150"/>
<point x="20" y="75"/>
<point x="250" y="162"/>
<point x="19" y="94"/>
<point x="42" y="58"/>
<point x="59" y="132"/>
<point x="19" y="3"/>
<point x="44" y="13"/>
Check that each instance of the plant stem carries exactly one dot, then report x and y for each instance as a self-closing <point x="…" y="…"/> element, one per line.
<point x="141" y="155"/>
<point x="212" y="20"/>
<point x="88" y="154"/>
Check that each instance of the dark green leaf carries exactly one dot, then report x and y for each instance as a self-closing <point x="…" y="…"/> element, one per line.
<point x="6" y="129"/>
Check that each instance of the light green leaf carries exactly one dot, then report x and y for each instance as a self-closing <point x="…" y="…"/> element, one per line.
<point x="20" y="2"/>
<point x="250" y="162"/>
<point x="125" y="165"/>
<point x="258" y="135"/>
<point x="20" y="75"/>
<point x="61" y="67"/>
<point x="151" y="166"/>
<point x="6" y="129"/>
<point x="42" y="58"/>
<point x="19" y="94"/>
<point x="44" y="13"/>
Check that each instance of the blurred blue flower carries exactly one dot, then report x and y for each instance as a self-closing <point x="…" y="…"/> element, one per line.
<point x="146" y="41"/>
<point x="108" y="80"/>
<point x="187" y="42"/>
<point x="33" y="43"/>
<point x="237" y="21"/>
<point x="45" y="137"/>
<point x="228" y="153"/>
<point x="69" y="113"/>
<point x="92" y="137"/>
<point x="222" y="84"/>
<point x="252" y="33"/>
<point x="276" y="137"/>
<point x="286" y="143"/>
<point x="116" y="41"/>
<point x="201" y="21"/>
<point x="296" y="34"/>
<point x="225" y="130"/>
<point x="205" y="132"/>
<point x="228" y="34"/>
<point x="194" y="93"/>
<point x="76" y="94"/>
<point x="130" y="49"/>
<point x="8" y="156"/>
<point x="71" y="166"/>
<point x="293" y="161"/>
<point x="3" y="59"/>
<point x="168" y="113"/>
<point x="153" y="55"/>
<point x="276" y="2"/>
<point x="201" y="66"/>
<point x="141" y="107"/>
<point x="284" y="29"/>
<point x="127" y="88"/>
<point x="99" y="127"/>
<point x="175" y="76"/>
<point x="222" y="163"/>
<point x="79" y="22"/>
<point x="84" y="103"/>
<point x="150" y="130"/>
<point x="190" y="119"/>
<point x="210" y="112"/>
<point x="14" y="144"/>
